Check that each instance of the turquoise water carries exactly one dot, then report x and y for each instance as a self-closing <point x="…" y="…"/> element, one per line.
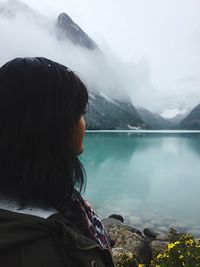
<point x="152" y="179"/>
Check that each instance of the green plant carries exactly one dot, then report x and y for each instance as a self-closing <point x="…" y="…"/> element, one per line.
<point x="183" y="252"/>
<point x="125" y="260"/>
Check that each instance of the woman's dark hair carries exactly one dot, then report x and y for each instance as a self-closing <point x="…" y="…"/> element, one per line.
<point x="40" y="103"/>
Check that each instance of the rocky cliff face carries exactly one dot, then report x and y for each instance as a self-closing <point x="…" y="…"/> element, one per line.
<point x="192" y="121"/>
<point x="67" y="28"/>
<point x="108" y="114"/>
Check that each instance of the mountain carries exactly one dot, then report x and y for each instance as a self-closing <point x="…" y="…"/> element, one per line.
<point x="154" y="120"/>
<point x="192" y="121"/>
<point x="67" y="28"/>
<point x="108" y="114"/>
<point x="105" y="112"/>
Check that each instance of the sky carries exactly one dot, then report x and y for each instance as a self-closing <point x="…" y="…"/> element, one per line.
<point x="153" y="46"/>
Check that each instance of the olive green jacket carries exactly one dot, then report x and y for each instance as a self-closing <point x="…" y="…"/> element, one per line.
<point x="31" y="241"/>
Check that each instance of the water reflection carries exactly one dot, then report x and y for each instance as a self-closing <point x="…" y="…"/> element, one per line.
<point x="144" y="175"/>
<point x="193" y="141"/>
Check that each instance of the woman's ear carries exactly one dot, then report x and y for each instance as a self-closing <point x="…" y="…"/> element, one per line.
<point x="79" y="133"/>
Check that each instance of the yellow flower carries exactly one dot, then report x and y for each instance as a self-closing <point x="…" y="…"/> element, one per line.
<point x="181" y="256"/>
<point x="159" y="256"/>
<point x="170" y="246"/>
<point x="140" y="265"/>
<point x="189" y="242"/>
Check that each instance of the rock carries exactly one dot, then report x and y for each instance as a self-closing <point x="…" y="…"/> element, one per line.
<point x="158" y="246"/>
<point x="163" y="237"/>
<point x="180" y="227"/>
<point x="133" y="230"/>
<point x="117" y="217"/>
<point x="109" y="221"/>
<point x="67" y="29"/>
<point x="130" y="241"/>
<point x="150" y="233"/>
<point x="117" y="252"/>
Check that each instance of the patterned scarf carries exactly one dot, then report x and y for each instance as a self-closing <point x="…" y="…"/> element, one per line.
<point x="92" y="223"/>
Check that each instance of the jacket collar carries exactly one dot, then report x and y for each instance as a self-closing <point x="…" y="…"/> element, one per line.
<point x="18" y="228"/>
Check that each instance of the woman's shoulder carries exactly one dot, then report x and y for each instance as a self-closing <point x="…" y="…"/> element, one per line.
<point x="36" y="235"/>
<point x="13" y="205"/>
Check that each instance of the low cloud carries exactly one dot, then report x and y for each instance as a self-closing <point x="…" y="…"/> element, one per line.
<point x="24" y="32"/>
<point x="34" y="35"/>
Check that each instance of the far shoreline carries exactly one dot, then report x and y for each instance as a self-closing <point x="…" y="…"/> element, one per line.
<point x="144" y="131"/>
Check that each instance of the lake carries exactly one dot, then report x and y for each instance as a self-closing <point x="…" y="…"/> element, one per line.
<point x="151" y="178"/>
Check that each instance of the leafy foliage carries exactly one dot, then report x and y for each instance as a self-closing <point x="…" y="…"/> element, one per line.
<point x="125" y="260"/>
<point x="183" y="252"/>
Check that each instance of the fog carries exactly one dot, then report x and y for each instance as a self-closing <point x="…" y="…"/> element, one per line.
<point x="149" y="51"/>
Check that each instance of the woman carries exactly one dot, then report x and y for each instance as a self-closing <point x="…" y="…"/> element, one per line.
<point x="43" y="219"/>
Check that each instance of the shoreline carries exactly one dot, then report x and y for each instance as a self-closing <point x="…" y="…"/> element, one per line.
<point x="143" y="245"/>
<point x="162" y="225"/>
<point x="144" y="131"/>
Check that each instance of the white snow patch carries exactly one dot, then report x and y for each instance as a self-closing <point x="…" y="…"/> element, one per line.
<point x="92" y="96"/>
<point x="109" y="99"/>
<point x="133" y="127"/>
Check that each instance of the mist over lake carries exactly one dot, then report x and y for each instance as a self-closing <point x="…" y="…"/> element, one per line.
<point x="152" y="179"/>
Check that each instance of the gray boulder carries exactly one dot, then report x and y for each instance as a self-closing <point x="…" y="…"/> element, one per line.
<point x="125" y="238"/>
<point x="117" y="217"/>
<point x="150" y="233"/>
<point x="158" y="246"/>
<point x="109" y="221"/>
